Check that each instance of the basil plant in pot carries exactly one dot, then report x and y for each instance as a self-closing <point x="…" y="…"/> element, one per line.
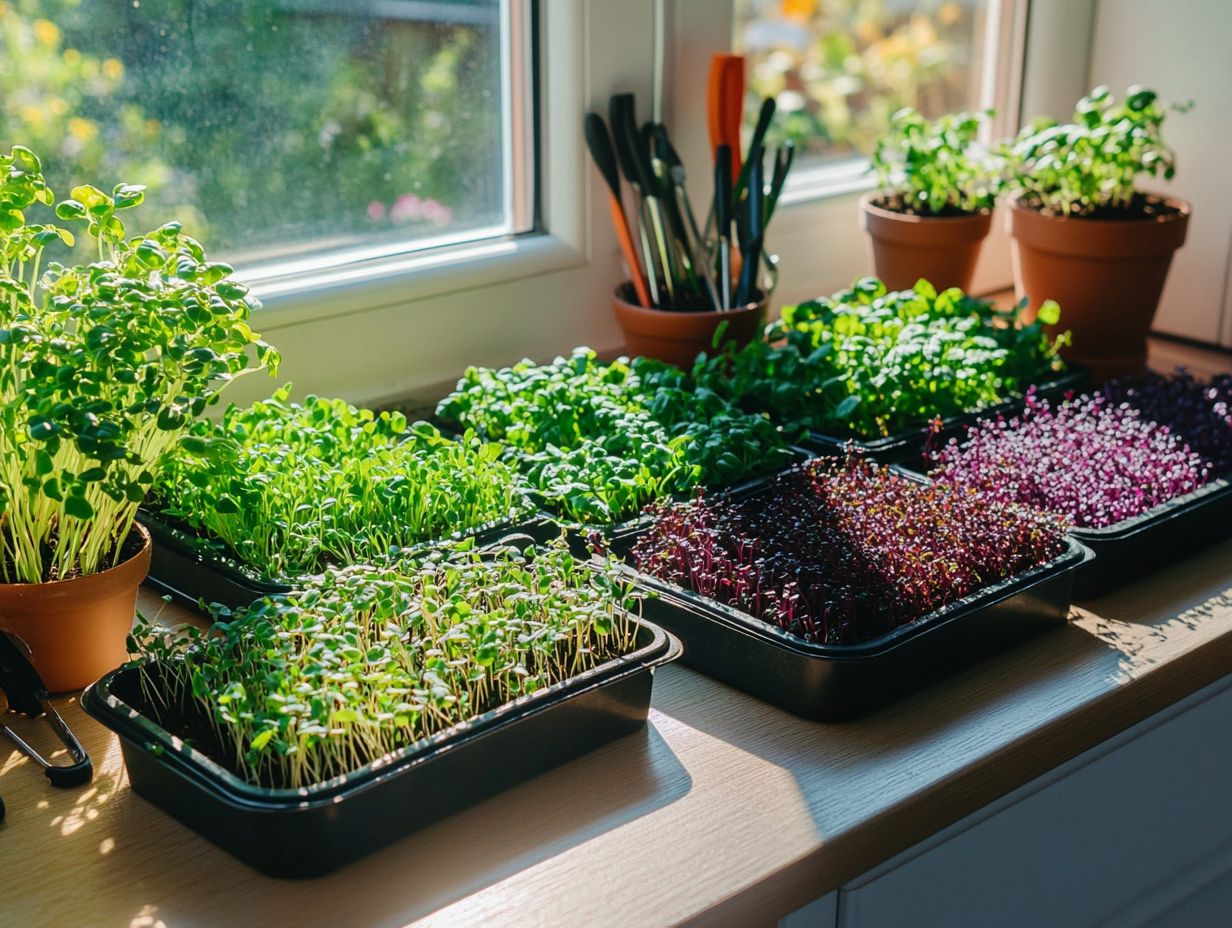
<point x="933" y="204"/>
<point x="103" y="367"/>
<point x="1085" y="236"/>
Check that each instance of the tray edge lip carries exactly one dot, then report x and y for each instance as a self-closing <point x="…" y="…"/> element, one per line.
<point x="1075" y="555"/>
<point x="142" y="733"/>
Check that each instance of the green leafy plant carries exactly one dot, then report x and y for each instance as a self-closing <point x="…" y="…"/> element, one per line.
<point x="1089" y="167"/>
<point x="298" y="689"/>
<point x="933" y="168"/>
<point x="292" y="488"/>
<point x="600" y="441"/>
<point x="866" y="362"/>
<point x="102" y="369"/>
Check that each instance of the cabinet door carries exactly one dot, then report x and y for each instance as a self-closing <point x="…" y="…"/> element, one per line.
<point x="1122" y="835"/>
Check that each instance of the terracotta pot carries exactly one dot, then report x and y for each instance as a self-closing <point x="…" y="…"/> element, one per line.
<point x="74" y="631"/>
<point x="1107" y="276"/>
<point x="941" y="249"/>
<point x="678" y="337"/>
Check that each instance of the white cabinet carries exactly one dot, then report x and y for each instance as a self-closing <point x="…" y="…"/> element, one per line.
<point x="1135" y="832"/>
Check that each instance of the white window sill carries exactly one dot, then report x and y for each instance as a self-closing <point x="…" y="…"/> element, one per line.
<point x="299" y="292"/>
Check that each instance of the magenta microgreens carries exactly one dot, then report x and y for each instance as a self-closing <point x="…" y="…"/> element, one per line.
<point x="1093" y="460"/>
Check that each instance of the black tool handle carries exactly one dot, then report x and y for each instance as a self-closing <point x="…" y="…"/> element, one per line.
<point x="600" y="144"/>
<point x="783" y="157"/>
<point x="78" y="774"/>
<point x="757" y="142"/>
<point x="722" y="190"/>
<point x="754" y="229"/>
<point x="633" y="161"/>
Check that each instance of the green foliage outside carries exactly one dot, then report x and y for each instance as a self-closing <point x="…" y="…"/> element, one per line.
<point x="840" y="69"/>
<point x="260" y="123"/>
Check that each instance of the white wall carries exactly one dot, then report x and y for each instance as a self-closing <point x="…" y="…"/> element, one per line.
<point x="1180" y="48"/>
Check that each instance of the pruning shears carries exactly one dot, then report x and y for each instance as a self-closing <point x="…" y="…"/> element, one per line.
<point x="29" y="697"/>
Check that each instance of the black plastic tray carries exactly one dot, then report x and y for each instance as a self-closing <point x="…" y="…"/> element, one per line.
<point x="833" y="683"/>
<point x="1164" y="535"/>
<point x="309" y="832"/>
<point x="190" y="575"/>
<point x="905" y="447"/>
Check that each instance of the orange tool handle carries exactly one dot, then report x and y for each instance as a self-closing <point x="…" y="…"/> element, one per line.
<point x="630" y="253"/>
<point x="725" y="105"/>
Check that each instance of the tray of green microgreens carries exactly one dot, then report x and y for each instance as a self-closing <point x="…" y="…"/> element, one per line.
<point x="310" y="728"/>
<point x="873" y="369"/>
<point x="597" y="441"/>
<point x="280" y="490"/>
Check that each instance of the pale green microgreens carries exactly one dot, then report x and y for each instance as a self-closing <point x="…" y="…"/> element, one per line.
<point x="361" y="662"/>
<point x="291" y="488"/>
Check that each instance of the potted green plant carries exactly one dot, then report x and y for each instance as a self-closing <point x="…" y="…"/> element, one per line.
<point x="103" y="367"/>
<point x="933" y="204"/>
<point x="1085" y="236"/>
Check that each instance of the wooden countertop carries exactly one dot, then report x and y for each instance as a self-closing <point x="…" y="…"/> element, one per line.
<point x="724" y="811"/>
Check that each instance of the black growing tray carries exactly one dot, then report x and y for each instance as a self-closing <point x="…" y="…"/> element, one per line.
<point x="180" y="567"/>
<point x="309" y="832"/>
<point x="833" y="683"/>
<point x="901" y="447"/>
<point x="1162" y="536"/>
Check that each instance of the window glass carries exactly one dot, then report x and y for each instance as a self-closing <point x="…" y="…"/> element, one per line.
<point x="840" y="68"/>
<point x="270" y="127"/>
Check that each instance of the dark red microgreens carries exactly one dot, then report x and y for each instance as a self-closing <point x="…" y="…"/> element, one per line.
<point x="842" y="552"/>
<point x="1089" y="460"/>
<point x="1198" y="411"/>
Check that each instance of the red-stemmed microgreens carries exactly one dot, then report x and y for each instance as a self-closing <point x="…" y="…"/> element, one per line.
<point x="1090" y="460"/>
<point x="298" y="689"/>
<point x="840" y="552"/>
<point x="290" y="488"/>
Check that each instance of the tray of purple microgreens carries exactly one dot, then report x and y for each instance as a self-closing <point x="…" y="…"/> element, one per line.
<point x="841" y="584"/>
<point x="1138" y="469"/>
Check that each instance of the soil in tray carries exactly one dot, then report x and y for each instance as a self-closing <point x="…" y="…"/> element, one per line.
<point x="841" y="552"/>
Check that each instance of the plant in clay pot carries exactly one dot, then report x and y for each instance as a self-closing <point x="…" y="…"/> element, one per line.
<point x="933" y="205"/>
<point x="1085" y="236"/>
<point x="103" y="368"/>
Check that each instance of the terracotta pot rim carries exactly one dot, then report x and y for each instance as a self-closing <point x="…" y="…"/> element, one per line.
<point x="1183" y="207"/>
<point x="867" y="204"/>
<point x="99" y="576"/>
<point x="652" y="312"/>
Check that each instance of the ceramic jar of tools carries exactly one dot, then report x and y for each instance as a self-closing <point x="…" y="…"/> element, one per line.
<point x="678" y="337"/>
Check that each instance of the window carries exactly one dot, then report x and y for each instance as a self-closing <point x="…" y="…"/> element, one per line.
<point x="281" y="128"/>
<point x="838" y="69"/>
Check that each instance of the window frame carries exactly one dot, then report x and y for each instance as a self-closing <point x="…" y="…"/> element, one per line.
<point x="403" y="328"/>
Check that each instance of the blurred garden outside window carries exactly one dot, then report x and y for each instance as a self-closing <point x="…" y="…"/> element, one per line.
<point x="282" y="130"/>
<point x="838" y="69"/>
